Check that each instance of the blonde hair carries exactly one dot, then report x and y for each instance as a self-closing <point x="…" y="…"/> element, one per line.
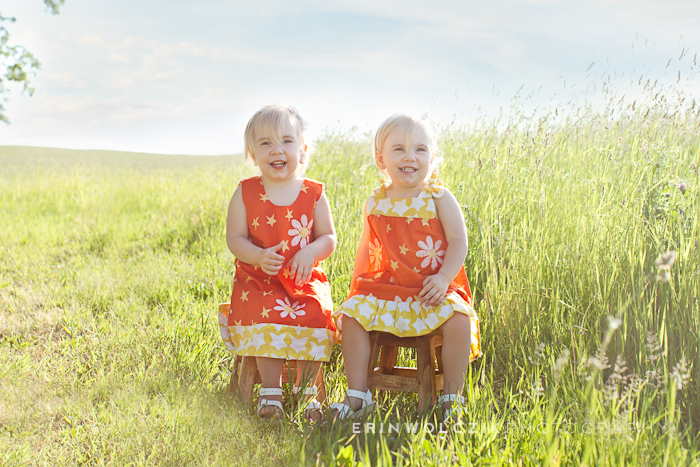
<point x="268" y="122"/>
<point x="411" y="125"/>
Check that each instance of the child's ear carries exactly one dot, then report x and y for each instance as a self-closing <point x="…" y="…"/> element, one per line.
<point x="302" y="156"/>
<point x="380" y="161"/>
<point x="252" y="158"/>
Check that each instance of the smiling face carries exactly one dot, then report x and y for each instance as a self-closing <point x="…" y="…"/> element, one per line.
<point x="279" y="153"/>
<point x="406" y="159"/>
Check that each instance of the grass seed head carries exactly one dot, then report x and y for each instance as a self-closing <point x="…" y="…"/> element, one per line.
<point x="681" y="374"/>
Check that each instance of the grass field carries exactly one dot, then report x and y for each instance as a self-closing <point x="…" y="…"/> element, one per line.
<point x="112" y="266"/>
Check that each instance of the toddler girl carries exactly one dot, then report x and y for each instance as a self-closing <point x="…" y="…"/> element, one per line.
<point x="409" y="277"/>
<point x="279" y="227"/>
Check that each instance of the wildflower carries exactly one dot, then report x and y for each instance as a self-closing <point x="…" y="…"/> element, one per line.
<point x="560" y="363"/>
<point x="665" y="261"/>
<point x="682" y="187"/>
<point x="663" y="276"/>
<point x="613" y="323"/>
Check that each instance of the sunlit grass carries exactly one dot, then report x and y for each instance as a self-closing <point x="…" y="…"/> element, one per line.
<point x="111" y="270"/>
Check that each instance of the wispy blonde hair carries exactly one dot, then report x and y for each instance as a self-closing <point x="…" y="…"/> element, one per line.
<point x="268" y="122"/>
<point x="411" y="125"/>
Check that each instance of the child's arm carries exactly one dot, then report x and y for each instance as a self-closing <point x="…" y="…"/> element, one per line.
<point x="239" y="243"/>
<point x="302" y="263"/>
<point x="452" y="220"/>
<point x="362" y="256"/>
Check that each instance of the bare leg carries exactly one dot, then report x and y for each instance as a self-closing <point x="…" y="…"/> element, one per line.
<point x="456" y="347"/>
<point x="356" y="357"/>
<point x="306" y="377"/>
<point x="306" y="373"/>
<point x="271" y="375"/>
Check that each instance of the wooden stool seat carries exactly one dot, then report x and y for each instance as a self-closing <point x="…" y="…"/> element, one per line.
<point x="426" y="379"/>
<point x="246" y="375"/>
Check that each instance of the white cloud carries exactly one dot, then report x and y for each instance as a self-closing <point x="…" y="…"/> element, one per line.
<point x="90" y="39"/>
<point x="117" y="57"/>
<point x="67" y="79"/>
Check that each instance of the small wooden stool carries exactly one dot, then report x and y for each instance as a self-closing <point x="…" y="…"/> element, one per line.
<point x="426" y="379"/>
<point x="246" y="375"/>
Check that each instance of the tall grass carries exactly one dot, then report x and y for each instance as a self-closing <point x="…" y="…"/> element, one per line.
<point x="111" y="269"/>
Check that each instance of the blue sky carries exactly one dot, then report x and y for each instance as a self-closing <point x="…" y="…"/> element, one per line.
<point x="184" y="77"/>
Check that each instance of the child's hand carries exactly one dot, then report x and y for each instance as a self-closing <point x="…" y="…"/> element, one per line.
<point x="434" y="289"/>
<point x="270" y="262"/>
<point x="302" y="265"/>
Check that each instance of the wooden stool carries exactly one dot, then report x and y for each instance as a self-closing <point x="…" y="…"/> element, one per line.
<point x="246" y="375"/>
<point x="426" y="379"/>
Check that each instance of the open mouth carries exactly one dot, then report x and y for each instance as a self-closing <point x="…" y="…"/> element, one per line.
<point x="278" y="164"/>
<point x="408" y="169"/>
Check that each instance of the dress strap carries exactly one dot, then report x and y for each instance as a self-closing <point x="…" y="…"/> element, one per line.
<point x="252" y="191"/>
<point x="313" y="188"/>
<point x="435" y="187"/>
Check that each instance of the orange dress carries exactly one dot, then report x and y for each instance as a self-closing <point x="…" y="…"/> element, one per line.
<point x="269" y="315"/>
<point x="406" y="245"/>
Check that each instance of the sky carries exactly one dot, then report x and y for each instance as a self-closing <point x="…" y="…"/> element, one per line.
<point x="183" y="77"/>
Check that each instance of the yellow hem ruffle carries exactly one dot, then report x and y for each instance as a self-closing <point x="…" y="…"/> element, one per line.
<point x="409" y="318"/>
<point x="277" y="341"/>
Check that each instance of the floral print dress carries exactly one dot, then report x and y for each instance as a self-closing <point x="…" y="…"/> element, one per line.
<point x="270" y="316"/>
<point x="406" y="245"/>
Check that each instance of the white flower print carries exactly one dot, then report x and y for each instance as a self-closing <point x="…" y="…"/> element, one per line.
<point x="287" y="309"/>
<point x="301" y="231"/>
<point x="375" y="254"/>
<point x="432" y="253"/>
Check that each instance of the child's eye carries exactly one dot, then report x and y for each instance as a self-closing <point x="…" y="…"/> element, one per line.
<point x="264" y="143"/>
<point x="288" y="141"/>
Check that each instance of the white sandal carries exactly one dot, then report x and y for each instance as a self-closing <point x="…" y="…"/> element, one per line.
<point x="311" y="404"/>
<point x="345" y="411"/>
<point x="447" y="413"/>
<point x="264" y="402"/>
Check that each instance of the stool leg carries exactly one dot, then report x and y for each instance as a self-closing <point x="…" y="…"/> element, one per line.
<point x="233" y="384"/>
<point x="387" y="359"/>
<point x="426" y="375"/>
<point x="249" y="368"/>
<point x="373" y="351"/>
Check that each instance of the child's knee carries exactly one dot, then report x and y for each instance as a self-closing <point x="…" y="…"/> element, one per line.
<point x="350" y="324"/>
<point x="458" y="322"/>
